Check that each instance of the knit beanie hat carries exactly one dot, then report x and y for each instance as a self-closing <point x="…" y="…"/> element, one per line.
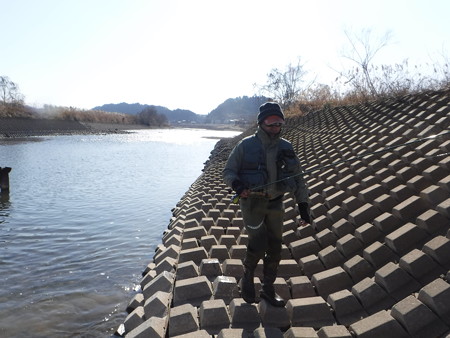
<point x="269" y="109"/>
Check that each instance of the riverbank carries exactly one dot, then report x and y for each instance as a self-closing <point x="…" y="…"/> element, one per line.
<point x="23" y="127"/>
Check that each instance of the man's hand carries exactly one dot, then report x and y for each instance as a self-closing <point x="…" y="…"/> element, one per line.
<point x="245" y="193"/>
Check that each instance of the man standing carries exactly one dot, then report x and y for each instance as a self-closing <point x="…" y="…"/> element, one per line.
<point x="260" y="169"/>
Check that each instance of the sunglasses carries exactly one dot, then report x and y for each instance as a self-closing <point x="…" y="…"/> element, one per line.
<point x="276" y="124"/>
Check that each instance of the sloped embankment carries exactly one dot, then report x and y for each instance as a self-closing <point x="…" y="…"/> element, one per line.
<point x="374" y="262"/>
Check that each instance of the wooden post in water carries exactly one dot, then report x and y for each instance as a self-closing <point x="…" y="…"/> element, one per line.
<point x="4" y="179"/>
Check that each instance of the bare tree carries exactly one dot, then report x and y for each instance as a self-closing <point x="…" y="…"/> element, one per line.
<point x="285" y="86"/>
<point x="9" y="92"/>
<point x="363" y="47"/>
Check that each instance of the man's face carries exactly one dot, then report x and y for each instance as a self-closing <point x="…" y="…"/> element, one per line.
<point x="272" y="125"/>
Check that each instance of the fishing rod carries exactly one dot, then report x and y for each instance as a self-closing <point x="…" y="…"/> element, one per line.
<point x="236" y="197"/>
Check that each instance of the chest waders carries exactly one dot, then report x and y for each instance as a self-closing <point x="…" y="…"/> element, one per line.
<point x="263" y="219"/>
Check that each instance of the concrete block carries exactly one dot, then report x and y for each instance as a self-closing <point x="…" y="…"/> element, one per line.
<point x="418" y="183"/>
<point x="196" y="255"/>
<point x="439" y="249"/>
<point x="238" y="251"/>
<point x="289" y="268"/>
<point x="432" y="221"/>
<point x="330" y="257"/>
<point x="272" y="316"/>
<point x="321" y="222"/>
<point x="336" y="199"/>
<point x="417" y="319"/>
<point x="358" y="268"/>
<point x="152" y="327"/>
<point x="300" y="332"/>
<point x="210" y="268"/>
<point x="384" y="203"/>
<point x="364" y="214"/>
<point x="436" y="295"/>
<point x="351" y="204"/>
<point x="226" y="288"/>
<point x="238" y="222"/>
<point x="301" y="287"/>
<point x="405" y="238"/>
<point x="162" y="282"/>
<point x="420" y="266"/>
<point x="134" y="319"/>
<point x="267" y="332"/>
<point x="289" y="237"/>
<point x="157" y="305"/>
<point x="371" y="296"/>
<point x="380" y="324"/>
<point x="233" y="268"/>
<point x="171" y="251"/>
<point x="369" y="194"/>
<point x="311" y="311"/>
<point x="227" y="240"/>
<point x="378" y="255"/>
<point x="208" y="241"/>
<point x="347" y="308"/>
<point x="148" y="277"/>
<point x="335" y="331"/>
<point x="349" y="245"/>
<point x="325" y="238"/>
<point x="216" y="231"/>
<point x="330" y="281"/>
<point x="207" y="223"/>
<point x="233" y="333"/>
<point x="137" y="300"/>
<point x="318" y="210"/>
<point x="195" y="232"/>
<point x="387" y="223"/>
<point x="183" y="319"/>
<point x="189" y="243"/>
<point x="342" y="227"/>
<point x="244" y="315"/>
<point x="214" y="316"/>
<point x="304" y="231"/>
<point x="223" y="222"/>
<point x="434" y="173"/>
<point x="168" y="264"/>
<point x="335" y="214"/>
<point x="219" y="252"/>
<point x="197" y="215"/>
<point x="310" y="265"/>
<point x="401" y="193"/>
<point x="434" y="195"/>
<point x="444" y="208"/>
<point x="233" y="230"/>
<point x="368" y="233"/>
<point x="397" y="282"/>
<point x="410" y="208"/>
<point x="192" y="290"/>
<point x="243" y="239"/>
<point x="282" y="288"/>
<point x="304" y="247"/>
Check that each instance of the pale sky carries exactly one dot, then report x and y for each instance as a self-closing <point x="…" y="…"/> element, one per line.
<point x="195" y="54"/>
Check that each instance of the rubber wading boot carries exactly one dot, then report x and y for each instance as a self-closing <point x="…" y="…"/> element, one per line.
<point x="268" y="293"/>
<point x="248" y="286"/>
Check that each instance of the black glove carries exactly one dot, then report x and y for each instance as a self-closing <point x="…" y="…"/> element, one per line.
<point x="303" y="208"/>
<point x="238" y="186"/>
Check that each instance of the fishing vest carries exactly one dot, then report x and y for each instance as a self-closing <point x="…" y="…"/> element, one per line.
<point x="253" y="172"/>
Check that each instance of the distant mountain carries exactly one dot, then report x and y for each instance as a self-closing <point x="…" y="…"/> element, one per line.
<point x="238" y="110"/>
<point x="173" y="116"/>
<point x="241" y="109"/>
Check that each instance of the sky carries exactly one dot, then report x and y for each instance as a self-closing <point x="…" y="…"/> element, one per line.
<point x="195" y="54"/>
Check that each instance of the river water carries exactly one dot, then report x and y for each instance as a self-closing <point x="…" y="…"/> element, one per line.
<point x="82" y="220"/>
